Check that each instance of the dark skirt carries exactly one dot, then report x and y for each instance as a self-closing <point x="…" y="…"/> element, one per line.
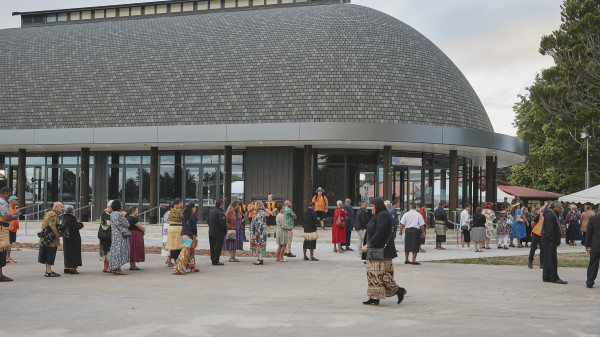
<point x="136" y="247"/>
<point x="574" y="231"/>
<point x="104" y="250"/>
<point x="467" y="234"/>
<point x="271" y="221"/>
<point x="527" y="238"/>
<point x="478" y="234"/>
<point x="412" y="240"/>
<point x="72" y="251"/>
<point x="440" y="238"/>
<point x="238" y="243"/>
<point x="47" y="255"/>
<point x="312" y="244"/>
<point x="174" y="253"/>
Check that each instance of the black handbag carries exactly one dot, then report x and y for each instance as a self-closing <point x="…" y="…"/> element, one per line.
<point x="378" y="253"/>
<point x="104" y="234"/>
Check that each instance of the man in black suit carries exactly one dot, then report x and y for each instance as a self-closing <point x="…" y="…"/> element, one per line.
<point x="550" y="241"/>
<point x="217" y="229"/>
<point x="592" y="245"/>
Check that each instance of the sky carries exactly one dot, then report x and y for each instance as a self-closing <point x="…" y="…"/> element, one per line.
<point x="493" y="42"/>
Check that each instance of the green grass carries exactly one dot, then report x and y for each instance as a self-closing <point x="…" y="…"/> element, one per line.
<point x="571" y="260"/>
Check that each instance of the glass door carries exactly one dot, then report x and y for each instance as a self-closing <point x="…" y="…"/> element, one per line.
<point x="69" y="186"/>
<point x="407" y="186"/>
<point x="201" y="187"/>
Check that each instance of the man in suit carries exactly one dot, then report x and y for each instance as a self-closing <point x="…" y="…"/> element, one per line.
<point x="394" y="214"/>
<point x="217" y="229"/>
<point x="592" y="245"/>
<point x="550" y="241"/>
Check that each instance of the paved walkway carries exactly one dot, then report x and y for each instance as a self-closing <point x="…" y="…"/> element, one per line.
<point x="297" y="298"/>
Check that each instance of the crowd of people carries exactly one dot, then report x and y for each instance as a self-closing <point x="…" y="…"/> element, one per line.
<point x="121" y="235"/>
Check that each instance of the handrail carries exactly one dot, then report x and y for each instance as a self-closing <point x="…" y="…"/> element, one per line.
<point x="26" y="216"/>
<point x="148" y="210"/>
<point x="91" y="206"/>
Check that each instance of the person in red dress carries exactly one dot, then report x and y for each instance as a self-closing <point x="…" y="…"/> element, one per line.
<point x="338" y="234"/>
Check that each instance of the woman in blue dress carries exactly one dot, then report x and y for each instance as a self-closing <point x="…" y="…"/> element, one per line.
<point x="518" y="226"/>
<point x="573" y="219"/>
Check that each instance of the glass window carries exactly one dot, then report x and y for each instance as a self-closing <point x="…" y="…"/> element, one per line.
<point x="111" y="13"/>
<point x="132" y="186"/>
<point x="145" y="185"/>
<point x="99" y="14"/>
<point x="167" y="159"/>
<point x="146" y="160"/>
<point x="175" y="8"/>
<point x="123" y="12"/>
<point x="237" y="159"/>
<point x="193" y="159"/>
<point x="70" y="160"/>
<point x="86" y="15"/>
<point x="363" y="157"/>
<point x="136" y="11"/>
<point x="361" y="183"/>
<point x="161" y="9"/>
<point x="330" y="157"/>
<point x="258" y="2"/>
<point x="229" y="3"/>
<point x="210" y="159"/>
<point x="202" y="5"/>
<point x="332" y="179"/>
<point x="149" y="10"/>
<point x="115" y="183"/>
<point x="188" y="6"/>
<point x="35" y="160"/>
<point x="69" y="185"/>
<point x="51" y="17"/>
<point x="167" y="183"/>
<point x="407" y="161"/>
<point x="237" y="173"/>
<point x="62" y="17"/>
<point x="75" y="16"/>
<point x="135" y="160"/>
<point x="215" y="4"/>
<point x="243" y="3"/>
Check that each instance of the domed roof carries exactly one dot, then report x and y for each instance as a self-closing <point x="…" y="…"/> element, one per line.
<point x="324" y="63"/>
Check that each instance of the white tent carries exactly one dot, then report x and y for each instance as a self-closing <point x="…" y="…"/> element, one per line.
<point x="500" y="194"/>
<point x="592" y="195"/>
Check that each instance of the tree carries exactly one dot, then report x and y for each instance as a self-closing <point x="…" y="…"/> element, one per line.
<point x="563" y="102"/>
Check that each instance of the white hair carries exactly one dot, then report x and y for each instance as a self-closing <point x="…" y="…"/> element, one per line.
<point x="339" y="202"/>
<point x="109" y="204"/>
<point x="387" y="202"/>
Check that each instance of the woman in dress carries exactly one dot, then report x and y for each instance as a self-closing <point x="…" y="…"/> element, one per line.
<point x="119" y="247"/>
<point x="282" y="237"/>
<point x="478" y="230"/>
<point x="105" y="242"/>
<point x="573" y="219"/>
<point x="258" y="231"/>
<point x="165" y="234"/>
<point x="233" y="218"/>
<point x="189" y="241"/>
<point x="380" y="273"/>
<point x="71" y="244"/>
<point x="490" y="227"/>
<point x="338" y="234"/>
<point x="136" y="240"/>
<point x="504" y="228"/>
<point x="527" y="215"/>
<point x="518" y="226"/>
<point x="174" y="231"/>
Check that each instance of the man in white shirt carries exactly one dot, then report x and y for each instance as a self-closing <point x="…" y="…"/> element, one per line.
<point x="415" y="230"/>
<point x="465" y="227"/>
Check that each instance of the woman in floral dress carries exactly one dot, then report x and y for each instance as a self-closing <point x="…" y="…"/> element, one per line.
<point x="490" y="228"/>
<point x="573" y="219"/>
<point x="258" y="232"/>
<point x="119" y="246"/>
<point x="504" y="229"/>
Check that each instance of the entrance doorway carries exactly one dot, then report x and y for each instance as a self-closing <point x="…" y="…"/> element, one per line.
<point x="203" y="186"/>
<point x="407" y="185"/>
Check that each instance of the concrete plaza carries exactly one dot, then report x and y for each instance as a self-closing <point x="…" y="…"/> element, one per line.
<point x="297" y="298"/>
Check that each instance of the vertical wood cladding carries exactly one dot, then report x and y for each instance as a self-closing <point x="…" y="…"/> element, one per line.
<point x="269" y="170"/>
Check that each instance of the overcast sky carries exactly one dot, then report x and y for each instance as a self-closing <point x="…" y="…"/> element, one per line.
<point x="493" y="42"/>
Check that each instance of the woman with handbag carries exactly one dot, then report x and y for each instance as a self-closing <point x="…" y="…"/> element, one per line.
<point x="189" y="241"/>
<point x="234" y="240"/>
<point x="380" y="251"/>
<point x="258" y="232"/>
<point x="137" y="252"/>
<point x="504" y="227"/>
<point x="119" y="247"/>
<point x="104" y="235"/>
<point x="518" y="226"/>
<point x="338" y="233"/>
<point x="71" y="244"/>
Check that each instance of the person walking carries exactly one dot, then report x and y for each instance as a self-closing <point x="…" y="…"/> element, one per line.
<point x="105" y="236"/>
<point x="518" y="226"/>
<point x="282" y="239"/>
<point x="573" y="219"/>
<point x="321" y="204"/>
<point x="258" y="232"/>
<point x="585" y="217"/>
<point x="360" y="224"/>
<point x="310" y="222"/>
<point x="415" y="230"/>
<point x="551" y="234"/>
<point x="441" y="225"/>
<point x="233" y="219"/>
<point x="270" y="213"/>
<point x="189" y="240"/>
<point x="423" y="212"/>
<point x="504" y="227"/>
<point x="289" y="216"/>
<point x="217" y="229"/>
<point x="119" y="247"/>
<point x="174" y="231"/>
<point x="137" y="251"/>
<point x="50" y="243"/>
<point x="5" y="218"/>
<point x="592" y="245"/>
<point x="536" y="235"/>
<point x="349" y="223"/>
<point x="72" y="243"/>
<point x="13" y="203"/>
<point x="478" y="230"/>
<point x="465" y="227"/>
<point x="338" y="232"/>
<point x="380" y="273"/>
<point x="490" y="227"/>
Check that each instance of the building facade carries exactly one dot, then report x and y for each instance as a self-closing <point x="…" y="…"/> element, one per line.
<point x="207" y="100"/>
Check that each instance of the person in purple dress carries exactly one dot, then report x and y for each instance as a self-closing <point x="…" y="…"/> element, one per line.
<point x="233" y="219"/>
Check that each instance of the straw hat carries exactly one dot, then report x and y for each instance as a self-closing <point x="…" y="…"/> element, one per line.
<point x="320" y="189"/>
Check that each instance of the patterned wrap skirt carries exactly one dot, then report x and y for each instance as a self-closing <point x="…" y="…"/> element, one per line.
<point x="185" y="260"/>
<point x="490" y="231"/>
<point x="478" y="234"/>
<point x="173" y="238"/>
<point x="380" y="278"/>
<point x="238" y="243"/>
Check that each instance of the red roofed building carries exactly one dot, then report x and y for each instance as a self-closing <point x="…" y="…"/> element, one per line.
<point x="526" y="193"/>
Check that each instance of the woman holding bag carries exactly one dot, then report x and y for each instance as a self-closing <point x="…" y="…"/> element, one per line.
<point x="380" y="271"/>
<point x="119" y="248"/>
<point x="234" y="240"/>
<point x="189" y="241"/>
<point x="338" y="234"/>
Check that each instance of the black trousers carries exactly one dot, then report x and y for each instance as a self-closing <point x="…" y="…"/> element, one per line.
<point x="550" y="272"/>
<point x="216" y="247"/>
<point x="535" y="242"/>
<point x="348" y="235"/>
<point x="592" y="270"/>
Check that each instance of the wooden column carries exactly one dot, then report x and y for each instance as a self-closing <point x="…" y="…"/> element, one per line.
<point x="84" y="184"/>
<point x="154" y="169"/>
<point x="21" y="178"/>
<point x="387" y="173"/>
<point x="227" y="177"/>
<point x="475" y="186"/>
<point x="307" y="181"/>
<point x="453" y="193"/>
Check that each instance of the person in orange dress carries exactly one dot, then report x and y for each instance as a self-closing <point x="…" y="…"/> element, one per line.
<point x="338" y="234"/>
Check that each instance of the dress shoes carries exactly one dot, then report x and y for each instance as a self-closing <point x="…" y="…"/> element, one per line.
<point x="559" y="281"/>
<point x="530" y="266"/>
<point x="218" y="264"/>
<point x="400" y="293"/>
<point x="372" y="301"/>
